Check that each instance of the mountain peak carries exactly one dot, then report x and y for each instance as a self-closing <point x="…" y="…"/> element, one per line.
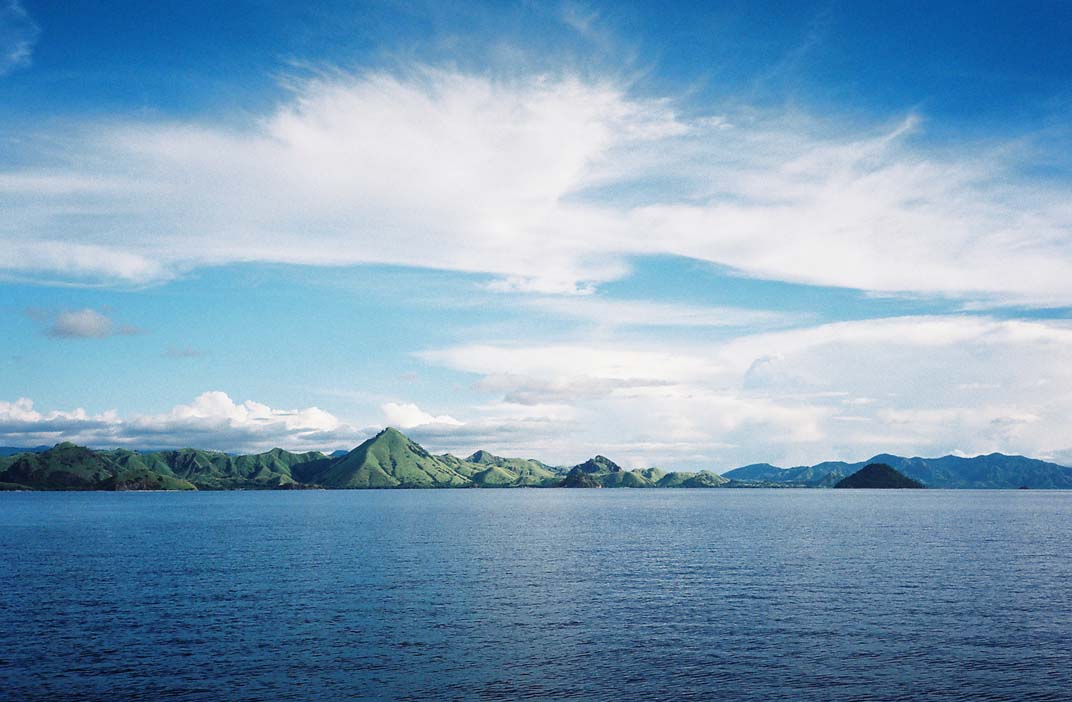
<point x="598" y="464"/>
<point x="388" y="459"/>
<point x="483" y="456"/>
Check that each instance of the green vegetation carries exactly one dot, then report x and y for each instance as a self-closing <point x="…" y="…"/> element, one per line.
<point x="389" y="459"/>
<point x="580" y="480"/>
<point x="392" y="460"/>
<point x="63" y="467"/>
<point x="525" y="472"/>
<point x="604" y="473"/>
<point x="878" y="476"/>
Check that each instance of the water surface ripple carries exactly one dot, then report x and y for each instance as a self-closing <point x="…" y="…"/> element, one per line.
<point x="537" y="594"/>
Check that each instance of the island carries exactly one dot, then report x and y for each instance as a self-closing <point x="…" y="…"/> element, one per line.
<point x="390" y="459"/>
<point x="878" y="476"/>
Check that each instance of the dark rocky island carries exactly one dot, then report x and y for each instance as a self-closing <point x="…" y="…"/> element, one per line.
<point x="878" y="476"/>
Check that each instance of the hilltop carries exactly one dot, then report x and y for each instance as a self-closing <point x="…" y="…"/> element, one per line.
<point x="603" y="472"/>
<point x="878" y="476"/>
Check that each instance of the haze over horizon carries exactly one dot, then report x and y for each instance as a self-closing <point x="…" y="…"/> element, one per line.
<point x="685" y="236"/>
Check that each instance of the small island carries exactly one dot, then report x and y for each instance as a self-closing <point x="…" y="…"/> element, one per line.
<point x="878" y="476"/>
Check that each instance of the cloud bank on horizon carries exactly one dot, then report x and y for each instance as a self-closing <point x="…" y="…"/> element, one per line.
<point x="558" y="189"/>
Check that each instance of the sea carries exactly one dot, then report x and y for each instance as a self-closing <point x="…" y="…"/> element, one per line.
<point x="537" y="594"/>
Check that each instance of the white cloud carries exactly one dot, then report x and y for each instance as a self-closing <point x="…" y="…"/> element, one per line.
<point x="66" y="260"/>
<point x="919" y="385"/>
<point x="548" y="183"/>
<point x="85" y="324"/>
<point x="212" y="421"/>
<point x="909" y="385"/>
<point x="408" y="415"/>
<point x="18" y="34"/>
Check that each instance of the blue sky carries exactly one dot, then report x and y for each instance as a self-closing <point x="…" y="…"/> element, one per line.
<point x="694" y="236"/>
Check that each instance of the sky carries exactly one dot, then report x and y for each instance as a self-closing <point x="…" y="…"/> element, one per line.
<point x="686" y="235"/>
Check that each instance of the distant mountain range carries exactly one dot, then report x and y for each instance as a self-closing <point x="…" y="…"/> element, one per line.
<point x="392" y="460"/>
<point x="994" y="471"/>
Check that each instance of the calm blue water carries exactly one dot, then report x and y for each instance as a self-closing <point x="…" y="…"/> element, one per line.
<point x="544" y="594"/>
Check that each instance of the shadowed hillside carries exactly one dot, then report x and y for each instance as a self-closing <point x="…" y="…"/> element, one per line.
<point x="878" y="476"/>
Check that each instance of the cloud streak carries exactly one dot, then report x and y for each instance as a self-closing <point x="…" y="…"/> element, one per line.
<point x="550" y="184"/>
<point x="18" y="35"/>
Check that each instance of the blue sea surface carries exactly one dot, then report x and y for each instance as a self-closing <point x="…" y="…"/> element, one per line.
<point x="537" y="594"/>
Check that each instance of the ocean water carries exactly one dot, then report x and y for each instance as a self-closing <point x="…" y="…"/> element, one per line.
<point x="537" y="594"/>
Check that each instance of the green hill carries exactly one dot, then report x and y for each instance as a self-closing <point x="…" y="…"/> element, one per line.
<point x="392" y="460"/>
<point x="682" y="479"/>
<point x="494" y="476"/>
<point x="878" y="476"/>
<point x="626" y="479"/>
<point x="144" y="479"/>
<point x="66" y="466"/>
<point x="599" y="464"/>
<point x="389" y="459"/>
<point x="213" y="470"/>
<point x="526" y="472"/>
<point x="705" y="479"/>
<point x="603" y="472"/>
<point x="580" y="480"/>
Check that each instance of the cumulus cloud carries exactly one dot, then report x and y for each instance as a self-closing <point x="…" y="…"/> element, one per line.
<point x="909" y="385"/>
<point x="213" y="421"/>
<point x="84" y="324"/>
<point x="550" y="184"/>
<point x="407" y="415"/>
<point x="917" y="385"/>
<point x="18" y="34"/>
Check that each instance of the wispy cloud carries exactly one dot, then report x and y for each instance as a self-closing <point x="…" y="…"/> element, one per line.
<point x="18" y="35"/>
<point x="548" y="183"/>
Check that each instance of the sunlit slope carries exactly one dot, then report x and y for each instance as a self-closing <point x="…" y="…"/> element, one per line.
<point x="600" y="471"/>
<point x="389" y="459"/>
<point x="516" y="472"/>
